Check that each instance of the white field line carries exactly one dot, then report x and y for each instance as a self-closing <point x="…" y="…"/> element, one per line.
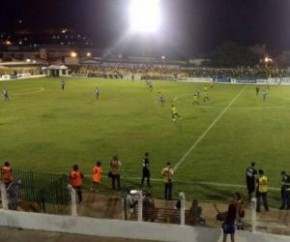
<point x="184" y="95"/>
<point x="214" y="184"/>
<point x="206" y="131"/>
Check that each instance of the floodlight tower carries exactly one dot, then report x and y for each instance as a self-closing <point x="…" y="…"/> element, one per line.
<point x="144" y="16"/>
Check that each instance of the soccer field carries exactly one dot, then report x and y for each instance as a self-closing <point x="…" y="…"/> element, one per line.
<point x="44" y="128"/>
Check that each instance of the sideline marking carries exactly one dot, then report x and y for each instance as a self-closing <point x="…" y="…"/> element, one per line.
<point x="203" y="183"/>
<point x="207" y="130"/>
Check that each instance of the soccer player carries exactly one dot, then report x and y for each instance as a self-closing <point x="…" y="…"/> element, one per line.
<point x="97" y="92"/>
<point x="174" y="113"/>
<point x="195" y="99"/>
<point x="205" y="98"/>
<point x="197" y="92"/>
<point x="257" y="90"/>
<point x="160" y="98"/>
<point x="5" y="94"/>
<point x="150" y="86"/>
<point x="264" y="94"/>
<point x="62" y="85"/>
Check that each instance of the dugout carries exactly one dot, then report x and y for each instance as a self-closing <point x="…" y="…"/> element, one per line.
<point x="56" y="70"/>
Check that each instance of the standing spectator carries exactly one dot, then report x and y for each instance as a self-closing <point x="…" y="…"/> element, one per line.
<point x="145" y="170"/>
<point x="174" y="113"/>
<point x="240" y="210"/>
<point x="97" y="92"/>
<point x="285" y="196"/>
<point x="5" y="94"/>
<point x="167" y="174"/>
<point x="13" y="194"/>
<point x="62" y="85"/>
<point x="76" y="181"/>
<point x="115" y="165"/>
<point x="251" y="174"/>
<point x="149" y="209"/>
<point x="97" y="175"/>
<point x="6" y="173"/>
<point x="228" y="224"/>
<point x="262" y="190"/>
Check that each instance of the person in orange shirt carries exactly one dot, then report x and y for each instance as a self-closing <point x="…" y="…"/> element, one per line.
<point x="76" y="181"/>
<point x="6" y="173"/>
<point x="97" y="175"/>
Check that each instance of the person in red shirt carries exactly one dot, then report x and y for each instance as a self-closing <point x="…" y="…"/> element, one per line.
<point x="6" y="173"/>
<point x="76" y="181"/>
<point x="97" y="175"/>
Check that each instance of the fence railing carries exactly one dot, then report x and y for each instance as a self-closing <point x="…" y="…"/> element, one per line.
<point x="48" y="191"/>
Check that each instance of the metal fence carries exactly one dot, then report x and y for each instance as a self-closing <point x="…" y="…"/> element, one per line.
<point x="48" y="192"/>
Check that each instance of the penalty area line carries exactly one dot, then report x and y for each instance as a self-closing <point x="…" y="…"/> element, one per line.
<point x="207" y="130"/>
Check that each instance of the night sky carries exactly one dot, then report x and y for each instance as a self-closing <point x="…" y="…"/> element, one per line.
<point x="189" y="26"/>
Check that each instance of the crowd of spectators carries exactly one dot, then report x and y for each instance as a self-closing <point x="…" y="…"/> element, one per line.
<point x="156" y="71"/>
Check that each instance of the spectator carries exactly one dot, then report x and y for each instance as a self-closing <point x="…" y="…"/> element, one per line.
<point x="167" y="174"/>
<point x="228" y="224"/>
<point x="285" y="196"/>
<point x="131" y="203"/>
<point x="262" y="190"/>
<point x="251" y="174"/>
<point x="115" y="165"/>
<point x="76" y="181"/>
<point x="240" y="210"/>
<point x="149" y="209"/>
<point x="97" y="175"/>
<point x="6" y="173"/>
<point x="13" y="194"/>
<point x="145" y="170"/>
<point x="195" y="212"/>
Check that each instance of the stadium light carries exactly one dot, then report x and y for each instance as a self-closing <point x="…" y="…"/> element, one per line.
<point x="144" y="16"/>
<point x="73" y="54"/>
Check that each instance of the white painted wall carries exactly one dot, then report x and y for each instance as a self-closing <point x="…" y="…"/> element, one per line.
<point x="124" y="229"/>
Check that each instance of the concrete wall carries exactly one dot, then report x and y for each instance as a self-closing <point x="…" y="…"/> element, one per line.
<point x="124" y="229"/>
<point x="7" y="77"/>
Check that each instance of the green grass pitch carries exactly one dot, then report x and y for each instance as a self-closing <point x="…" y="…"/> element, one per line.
<point x="44" y="128"/>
